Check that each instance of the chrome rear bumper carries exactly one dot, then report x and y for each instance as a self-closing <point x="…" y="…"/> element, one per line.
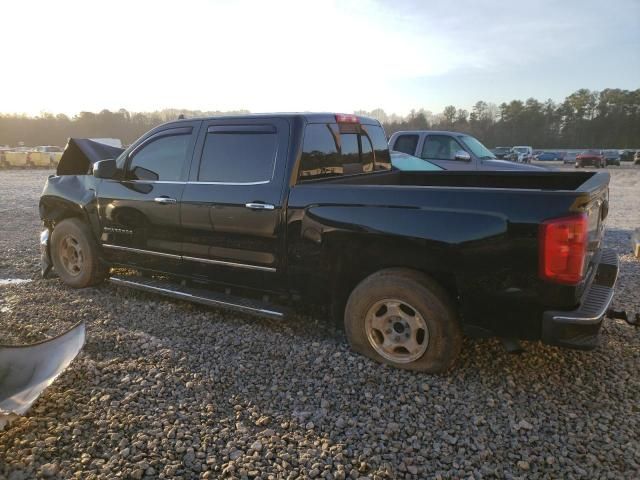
<point x="580" y="328"/>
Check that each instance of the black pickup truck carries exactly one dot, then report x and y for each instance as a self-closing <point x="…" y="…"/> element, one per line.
<point x="263" y="213"/>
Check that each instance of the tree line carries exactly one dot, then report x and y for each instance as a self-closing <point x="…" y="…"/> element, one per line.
<point x="49" y="129"/>
<point x="608" y="119"/>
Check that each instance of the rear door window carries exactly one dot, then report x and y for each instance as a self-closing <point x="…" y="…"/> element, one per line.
<point x="239" y="154"/>
<point x="406" y="144"/>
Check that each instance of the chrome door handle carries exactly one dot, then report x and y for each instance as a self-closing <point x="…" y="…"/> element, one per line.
<point x="165" y="200"/>
<point x="259" y="206"/>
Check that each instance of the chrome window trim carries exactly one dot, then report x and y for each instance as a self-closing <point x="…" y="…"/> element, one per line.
<point x="176" y="182"/>
<point x="261" y="182"/>
<point x="191" y="259"/>
<point x="229" y="264"/>
<point x="139" y="250"/>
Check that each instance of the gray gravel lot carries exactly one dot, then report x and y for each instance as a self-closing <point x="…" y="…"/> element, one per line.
<point x="165" y="389"/>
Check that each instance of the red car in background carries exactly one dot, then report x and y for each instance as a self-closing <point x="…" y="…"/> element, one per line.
<point x="591" y="158"/>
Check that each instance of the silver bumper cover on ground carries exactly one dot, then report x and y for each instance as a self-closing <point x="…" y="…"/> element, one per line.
<point x="26" y="370"/>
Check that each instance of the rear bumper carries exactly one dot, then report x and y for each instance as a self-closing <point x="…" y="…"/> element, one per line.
<point x="580" y="328"/>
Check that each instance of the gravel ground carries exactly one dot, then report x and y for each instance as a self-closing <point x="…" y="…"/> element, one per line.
<point x="165" y="389"/>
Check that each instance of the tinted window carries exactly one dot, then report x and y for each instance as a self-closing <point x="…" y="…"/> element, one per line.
<point x="162" y="159"/>
<point x="380" y="147"/>
<point x="327" y="152"/>
<point x="352" y="161"/>
<point x="406" y="144"/>
<point x="367" y="150"/>
<point x="320" y="155"/>
<point x="238" y="157"/>
<point x="440" y="147"/>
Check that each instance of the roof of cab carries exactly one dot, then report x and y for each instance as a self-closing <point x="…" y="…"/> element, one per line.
<point x="428" y="132"/>
<point x="309" y="117"/>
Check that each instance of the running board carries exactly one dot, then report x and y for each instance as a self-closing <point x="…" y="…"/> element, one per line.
<point x="201" y="296"/>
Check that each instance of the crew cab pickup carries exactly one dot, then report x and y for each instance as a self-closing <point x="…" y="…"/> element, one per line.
<point x="268" y="213"/>
<point x="452" y="150"/>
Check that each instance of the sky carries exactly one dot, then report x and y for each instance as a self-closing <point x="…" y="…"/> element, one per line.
<point x="69" y="56"/>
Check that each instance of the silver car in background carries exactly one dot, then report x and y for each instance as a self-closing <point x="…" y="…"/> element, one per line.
<point x="569" y="158"/>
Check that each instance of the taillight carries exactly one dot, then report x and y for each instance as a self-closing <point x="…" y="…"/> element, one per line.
<point x="346" y="118"/>
<point x="563" y="246"/>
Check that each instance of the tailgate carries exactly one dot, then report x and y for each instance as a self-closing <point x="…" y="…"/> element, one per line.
<point x="595" y="203"/>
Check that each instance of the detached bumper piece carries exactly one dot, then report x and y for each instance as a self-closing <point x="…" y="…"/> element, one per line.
<point x="26" y="370"/>
<point x="580" y="328"/>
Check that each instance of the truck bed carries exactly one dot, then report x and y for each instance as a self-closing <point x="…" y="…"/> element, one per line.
<point x="567" y="181"/>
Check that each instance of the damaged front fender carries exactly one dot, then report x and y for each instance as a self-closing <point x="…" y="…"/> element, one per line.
<point x="26" y="370"/>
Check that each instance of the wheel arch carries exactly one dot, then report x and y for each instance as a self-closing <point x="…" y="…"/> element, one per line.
<point x="357" y="259"/>
<point x="54" y="209"/>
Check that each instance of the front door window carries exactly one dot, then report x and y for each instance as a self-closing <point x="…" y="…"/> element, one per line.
<point x="440" y="147"/>
<point x="160" y="160"/>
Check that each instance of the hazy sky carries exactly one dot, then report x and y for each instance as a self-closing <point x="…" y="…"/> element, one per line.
<point x="68" y="56"/>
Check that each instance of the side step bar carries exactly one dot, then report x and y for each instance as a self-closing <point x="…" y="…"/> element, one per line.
<point x="201" y="296"/>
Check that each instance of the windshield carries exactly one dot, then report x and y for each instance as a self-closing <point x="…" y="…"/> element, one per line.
<point x="520" y="149"/>
<point x="406" y="162"/>
<point x="477" y="148"/>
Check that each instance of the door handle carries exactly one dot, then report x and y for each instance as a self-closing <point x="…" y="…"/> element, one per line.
<point x="165" y="200"/>
<point x="259" y="206"/>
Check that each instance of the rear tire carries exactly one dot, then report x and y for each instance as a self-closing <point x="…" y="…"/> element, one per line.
<point x="403" y="318"/>
<point x="75" y="254"/>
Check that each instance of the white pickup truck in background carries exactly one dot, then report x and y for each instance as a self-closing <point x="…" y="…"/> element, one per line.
<point x="452" y="150"/>
<point x="522" y="154"/>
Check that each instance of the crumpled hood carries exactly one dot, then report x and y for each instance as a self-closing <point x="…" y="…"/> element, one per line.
<point x="81" y="153"/>
<point x="26" y="370"/>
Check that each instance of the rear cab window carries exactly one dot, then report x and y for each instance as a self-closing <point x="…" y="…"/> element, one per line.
<point x="332" y="149"/>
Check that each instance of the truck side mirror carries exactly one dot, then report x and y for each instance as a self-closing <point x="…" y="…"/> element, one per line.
<point x="462" y="156"/>
<point x="105" y="168"/>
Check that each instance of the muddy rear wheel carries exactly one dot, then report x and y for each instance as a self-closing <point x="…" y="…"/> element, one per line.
<point x="403" y="318"/>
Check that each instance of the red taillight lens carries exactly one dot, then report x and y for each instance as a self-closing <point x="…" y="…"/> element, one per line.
<point x="345" y="118"/>
<point x="563" y="246"/>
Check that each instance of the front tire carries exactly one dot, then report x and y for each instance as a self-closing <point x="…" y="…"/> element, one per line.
<point x="403" y="318"/>
<point x="75" y="254"/>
